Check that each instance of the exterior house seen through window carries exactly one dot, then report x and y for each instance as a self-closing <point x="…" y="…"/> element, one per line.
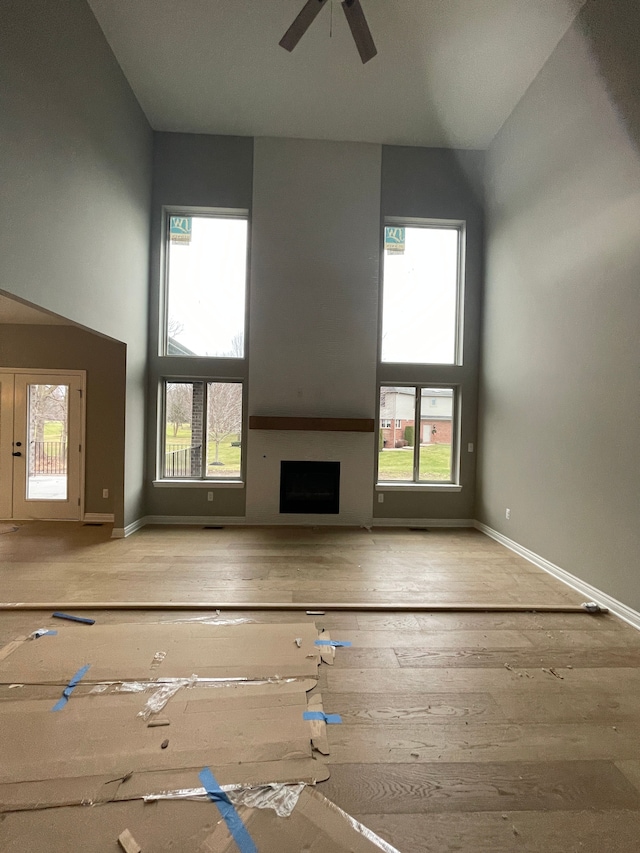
<point x="416" y="435"/>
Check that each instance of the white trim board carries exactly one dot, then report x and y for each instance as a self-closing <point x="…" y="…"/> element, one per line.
<point x="195" y="520"/>
<point x="591" y="593"/>
<point x="182" y="520"/>
<point x="122" y="532"/>
<point x="98" y="517"/>
<point x="227" y="520"/>
<point x="423" y="522"/>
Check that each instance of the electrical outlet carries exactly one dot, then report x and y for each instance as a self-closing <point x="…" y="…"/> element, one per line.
<point x="507" y="514"/>
<point x="209" y="496"/>
<point x="105" y="493"/>
<point x="381" y="497"/>
<point x="470" y="447"/>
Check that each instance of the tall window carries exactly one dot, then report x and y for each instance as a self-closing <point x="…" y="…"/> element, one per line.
<point x="202" y="430"/>
<point x="421" y="293"/>
<point x="420" y="371"/>
<point x="206" y="284"/>
<point x="416" y="441"/>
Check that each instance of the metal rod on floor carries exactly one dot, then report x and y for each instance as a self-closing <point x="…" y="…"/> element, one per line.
<point x="412" y="607"/>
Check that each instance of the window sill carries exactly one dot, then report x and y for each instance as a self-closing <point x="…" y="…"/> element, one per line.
<point x="198" y="484"/>
<point x="418" y="487"/>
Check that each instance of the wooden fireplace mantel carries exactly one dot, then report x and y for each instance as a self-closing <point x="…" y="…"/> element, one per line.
<point x="315" y="424"/>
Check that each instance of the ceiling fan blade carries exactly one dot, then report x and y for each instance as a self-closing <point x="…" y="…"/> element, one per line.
<point x="301" y="24"/>
<point x="359" y="29"/>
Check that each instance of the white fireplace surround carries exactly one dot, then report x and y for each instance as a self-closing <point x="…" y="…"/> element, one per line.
<point x="268" y="448"/>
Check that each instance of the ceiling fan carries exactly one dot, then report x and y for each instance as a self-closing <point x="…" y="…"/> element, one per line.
<point x="355" y="18"/>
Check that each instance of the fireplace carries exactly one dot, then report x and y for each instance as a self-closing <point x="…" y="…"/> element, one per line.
<point x="310" y="487"/>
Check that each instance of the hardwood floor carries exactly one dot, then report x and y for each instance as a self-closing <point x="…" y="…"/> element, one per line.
<point x="466" y="732"/>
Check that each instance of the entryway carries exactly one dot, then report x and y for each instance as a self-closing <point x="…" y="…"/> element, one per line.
<point x="41" y="444"/>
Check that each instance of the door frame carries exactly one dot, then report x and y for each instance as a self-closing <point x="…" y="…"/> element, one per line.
<point x="47" y="371"/>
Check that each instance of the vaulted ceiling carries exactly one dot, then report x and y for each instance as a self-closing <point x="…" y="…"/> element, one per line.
<point x="447" y="73"/>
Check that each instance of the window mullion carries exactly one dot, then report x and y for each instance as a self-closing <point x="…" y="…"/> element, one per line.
<point x="416" y="435"/>
<point x="205" y="429"/>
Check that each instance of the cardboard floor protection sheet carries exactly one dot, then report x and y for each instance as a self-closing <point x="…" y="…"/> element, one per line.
<point x="97" y="746"/>
<point x="131" y="652"/>
<point x="314" y="826"/>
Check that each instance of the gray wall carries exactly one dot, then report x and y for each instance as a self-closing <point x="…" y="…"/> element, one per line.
<point x="69" y="348"/>
<point x="437" y="183"/>
<point x="315" y="278"/>
<point x="314" y="301"/>
<point x="313" y="320"/>
<point x="560" y="404"/>
<point x="191" y="170"/>
<point x="75" y="171"/>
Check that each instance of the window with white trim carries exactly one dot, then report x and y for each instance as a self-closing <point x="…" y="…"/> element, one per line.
<point x="424" y="450"/>
<point x="422" y="292"/>
<point x="205" y="292"/>
<point x="420" y="372"/>
<point x="202" y="435"/>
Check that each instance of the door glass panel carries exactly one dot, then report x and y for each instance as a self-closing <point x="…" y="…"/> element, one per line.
<point x="47" y="442"/>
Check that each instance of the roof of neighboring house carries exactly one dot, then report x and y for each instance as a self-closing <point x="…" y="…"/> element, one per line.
<point x="176" y="348"/>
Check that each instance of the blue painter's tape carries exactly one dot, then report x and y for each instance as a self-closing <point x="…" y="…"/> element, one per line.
<point x="71" y="686"/>
<point x="226" y="808"/>
<point x="320" y="715"/>
<point x="83" y="619"/>
<point x="335" y="643"/>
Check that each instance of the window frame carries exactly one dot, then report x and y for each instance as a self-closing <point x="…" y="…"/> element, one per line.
<point x="453" y="484"/>
<point x="458" y="225"/>
<point x="210" y="213"/>
<point x="421" y="375"/>
<point x="203" y="480"/>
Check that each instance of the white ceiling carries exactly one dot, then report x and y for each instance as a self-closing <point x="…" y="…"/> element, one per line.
<point x="13" y="311"/>
<point x="447" y="73"/>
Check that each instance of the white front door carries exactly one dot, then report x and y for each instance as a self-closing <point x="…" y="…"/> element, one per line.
<point x="41" y="445"/>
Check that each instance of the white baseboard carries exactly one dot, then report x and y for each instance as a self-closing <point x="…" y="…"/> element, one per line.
<point x="227" y="520"/>
<point x="122" y="532"/>
<point x="99" y="517"/>
<point x="195" y="520"/>
<point x="423" y="522"/>
<point x="591" y="593"/>
<point x="183" y="520"/>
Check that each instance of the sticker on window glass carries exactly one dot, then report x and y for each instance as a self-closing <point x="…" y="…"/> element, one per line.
<point x="180" y="229"/>
<point x="394" y="240"/>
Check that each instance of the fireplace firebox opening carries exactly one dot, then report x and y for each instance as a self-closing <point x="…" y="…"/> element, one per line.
<point x="310" y="487"/>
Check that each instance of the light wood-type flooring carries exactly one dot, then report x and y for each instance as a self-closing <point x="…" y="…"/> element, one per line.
<point x="466" y="732"/>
